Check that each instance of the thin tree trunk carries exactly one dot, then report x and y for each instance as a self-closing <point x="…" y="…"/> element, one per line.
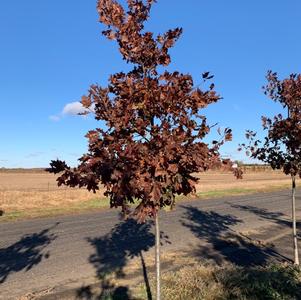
<point x="296" y="253"/>
<point x="158" y="264"/>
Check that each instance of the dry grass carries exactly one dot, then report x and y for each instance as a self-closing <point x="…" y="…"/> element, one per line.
<point x="229" y="282"/>
<point x="27" y="193"/>
<point x="185" y="277"/>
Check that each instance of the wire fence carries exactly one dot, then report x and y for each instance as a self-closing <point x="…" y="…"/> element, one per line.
<point x="256" y="168"/>
<point x="44" y="188"/>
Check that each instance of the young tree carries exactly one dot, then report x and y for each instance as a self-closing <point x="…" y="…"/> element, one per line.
<point x="282" y="146"/>
<point x="152" y="141"/>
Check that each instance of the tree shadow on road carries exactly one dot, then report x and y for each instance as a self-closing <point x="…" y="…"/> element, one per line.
<point x="223" y="244"/>
<point x="26" y="253"/>
<point x="126" y="240"/>
<point x="276" y="217"/>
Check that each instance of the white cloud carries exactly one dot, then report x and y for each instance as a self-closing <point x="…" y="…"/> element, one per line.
<point x="70" y="109"/>
<point x="73" y="108"/>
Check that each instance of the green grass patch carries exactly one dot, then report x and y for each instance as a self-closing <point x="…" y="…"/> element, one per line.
<point x="94" y="204"/>
<point x="11" y="216"/>
<point x="90" y="205"/>
<point x="227" y="192"/>
<point x="230" y="192"/>
<point x="217" y="194"/>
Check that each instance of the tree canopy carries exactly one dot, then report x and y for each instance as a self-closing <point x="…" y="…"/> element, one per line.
<point x="281" y="147"/>
<point x="153" y="138"/>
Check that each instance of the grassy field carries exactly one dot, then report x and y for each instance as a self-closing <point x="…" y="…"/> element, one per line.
<point x="229" y="282"/>
<point x="34" y="193"/>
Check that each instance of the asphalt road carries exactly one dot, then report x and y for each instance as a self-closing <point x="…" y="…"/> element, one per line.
<point x="42" y="253"/>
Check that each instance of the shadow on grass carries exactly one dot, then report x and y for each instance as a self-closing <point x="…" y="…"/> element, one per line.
<point x="111" y="292"/>
<point x="223" y="243"/>
<point x="26" y="253"/>
<point x="126" y="240"/>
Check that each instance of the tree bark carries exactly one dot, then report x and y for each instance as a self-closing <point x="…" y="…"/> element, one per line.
<point x="158" y="264"/>
<point x="295" y="239"/>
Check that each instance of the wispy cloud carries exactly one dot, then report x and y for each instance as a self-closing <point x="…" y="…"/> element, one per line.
<point x="73" y="154"/>
<point x="71" y="109"/>
<point x="54" y="118"/>
<point x="34" y="154"/>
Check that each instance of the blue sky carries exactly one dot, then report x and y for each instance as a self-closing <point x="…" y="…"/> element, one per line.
<point x="51" y="51"/>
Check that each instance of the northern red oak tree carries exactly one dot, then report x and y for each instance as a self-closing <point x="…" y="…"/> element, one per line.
<point x="281" y="148"/>
<point x="152" y="141"/>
